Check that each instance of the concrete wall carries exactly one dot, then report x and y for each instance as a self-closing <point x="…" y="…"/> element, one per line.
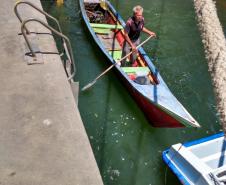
<point x="42" y="138"/>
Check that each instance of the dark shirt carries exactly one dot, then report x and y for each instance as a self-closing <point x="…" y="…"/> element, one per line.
<point x="133" y="29"/>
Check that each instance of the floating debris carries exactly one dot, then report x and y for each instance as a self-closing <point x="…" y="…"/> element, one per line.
<point x="116" y="172"/>
<point x="114" y="134"/>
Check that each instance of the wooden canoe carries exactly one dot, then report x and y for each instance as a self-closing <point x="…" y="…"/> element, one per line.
<point x="143" y="81"/>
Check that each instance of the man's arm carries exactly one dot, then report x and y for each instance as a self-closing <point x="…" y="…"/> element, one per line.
<point x="126" y="32"/>
<point x="129" y="41"/>
<point x="148" y="32"/>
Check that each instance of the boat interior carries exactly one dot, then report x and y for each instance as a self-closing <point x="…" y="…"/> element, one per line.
<point x="111" y="33"/>
<point x="212" y="154"/>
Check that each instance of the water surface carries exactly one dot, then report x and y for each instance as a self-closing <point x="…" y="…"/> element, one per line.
<point x="127" y="149"/>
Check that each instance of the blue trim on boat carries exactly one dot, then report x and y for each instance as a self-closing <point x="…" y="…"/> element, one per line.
<point x="173" y="168"/>
<point x="202" y="140"/>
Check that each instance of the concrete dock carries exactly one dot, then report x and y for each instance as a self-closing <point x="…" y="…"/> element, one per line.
<point x="42" y="137"/>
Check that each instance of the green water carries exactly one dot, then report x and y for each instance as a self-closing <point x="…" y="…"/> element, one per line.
<point x="221" y="11"/>
<point x="127" y="149"/>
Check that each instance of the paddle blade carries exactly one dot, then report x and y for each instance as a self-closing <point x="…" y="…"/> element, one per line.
<point x="89" y="85"/>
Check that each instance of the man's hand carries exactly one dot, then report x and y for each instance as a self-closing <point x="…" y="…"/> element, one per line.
<point x="134" y="49"/>
<point x="152" y="34"/>
<point x="149" y="32"/>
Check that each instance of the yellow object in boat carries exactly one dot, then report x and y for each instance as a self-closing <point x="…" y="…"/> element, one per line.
<point x="59" y="2"/>
<point x="103" y="4"/>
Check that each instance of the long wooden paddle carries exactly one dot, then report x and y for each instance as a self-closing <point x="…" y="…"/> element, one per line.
<point x="109" y="68"/>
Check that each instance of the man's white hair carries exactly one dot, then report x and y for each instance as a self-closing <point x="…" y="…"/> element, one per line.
<point x="138" y="8"/>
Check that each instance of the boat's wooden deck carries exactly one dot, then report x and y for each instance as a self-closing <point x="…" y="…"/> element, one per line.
<point x="112" y="45"/>
<point x="110" y="42"/>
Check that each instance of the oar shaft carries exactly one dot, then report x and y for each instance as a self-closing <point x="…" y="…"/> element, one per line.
<point x="133" y="51"/>
<point x="110" y="67"/>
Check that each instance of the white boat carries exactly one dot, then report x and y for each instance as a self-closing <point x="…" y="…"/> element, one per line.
<point x="200" y="162"/>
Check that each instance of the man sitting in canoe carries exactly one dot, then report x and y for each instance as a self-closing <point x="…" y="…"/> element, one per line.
<point x="134" y="26"/>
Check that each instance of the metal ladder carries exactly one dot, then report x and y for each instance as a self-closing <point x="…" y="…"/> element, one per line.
<point x="71" y="69"/>
<point x="39" y="10"/>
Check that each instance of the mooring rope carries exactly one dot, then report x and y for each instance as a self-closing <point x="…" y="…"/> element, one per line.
<point x="215" y="51"/>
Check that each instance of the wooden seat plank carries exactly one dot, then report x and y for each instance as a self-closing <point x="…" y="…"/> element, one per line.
<point x="106" y="26"/>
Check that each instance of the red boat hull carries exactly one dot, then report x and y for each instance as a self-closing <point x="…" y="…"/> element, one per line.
<point x="155" y="116"/>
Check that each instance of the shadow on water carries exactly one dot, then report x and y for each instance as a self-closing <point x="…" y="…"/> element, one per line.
<point x="127" y="149"/>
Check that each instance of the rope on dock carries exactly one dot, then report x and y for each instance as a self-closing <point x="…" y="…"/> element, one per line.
<point x="215" y="51"/>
